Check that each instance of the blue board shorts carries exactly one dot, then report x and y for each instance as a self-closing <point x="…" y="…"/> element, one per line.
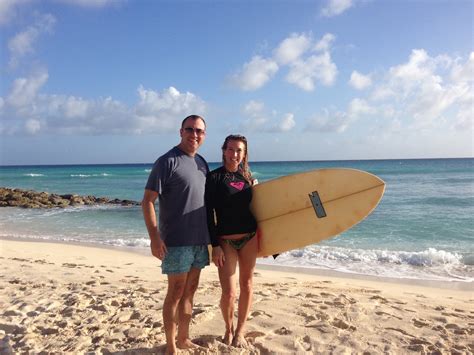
<point x="182" y="259"/>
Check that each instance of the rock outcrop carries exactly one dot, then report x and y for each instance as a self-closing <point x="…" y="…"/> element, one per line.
<point x="33" y="199"/>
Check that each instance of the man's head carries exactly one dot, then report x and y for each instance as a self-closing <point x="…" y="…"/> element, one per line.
<point x="192" y="132"/>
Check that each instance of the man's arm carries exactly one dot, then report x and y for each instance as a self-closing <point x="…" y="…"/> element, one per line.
<point x="158" y="248"/>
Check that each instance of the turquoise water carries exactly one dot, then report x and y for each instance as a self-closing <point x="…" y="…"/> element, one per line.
<point x="422" y="229"/>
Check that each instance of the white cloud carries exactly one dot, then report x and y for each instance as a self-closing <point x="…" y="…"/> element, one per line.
<point x="32" y="126"/>
<point x="287" y="123"/>
<point x="304" y="74"/>
<point x="336" y="7"/>
<point x="360" y="107"/>
<point x="255" y="73"/>
<point x="329" y="122"/>
<point x="325" y="43"/>
<point x="426" y="92"/>
<point x="421" y="87"/>
<point x="360" y="81"/>
<point x="258" y="120"/>
<point x="304" y="71"/>
<point x="23" y="42"/>
<point x="463" y="72"/>
<point x="164" y="111"/>
<point x="26" y="110"/>
<point x="8" y="10"/>
<point x="25" y="90"/>
<point x="291" y="48"/>
<point x="335" y="121"/>
<point x="90" y="3"/>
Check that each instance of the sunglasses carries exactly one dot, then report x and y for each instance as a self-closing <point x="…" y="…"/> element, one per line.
<point x="191" y="130"/>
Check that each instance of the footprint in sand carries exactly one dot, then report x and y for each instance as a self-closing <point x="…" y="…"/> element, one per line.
<point x="420" y="323"/>
<point x="379" y="298"/>
<point x="258" y="314"/>
<point x="254" y="334"/>
<point x="341" y="324"/>
<point x="303" y="343"/>
<point x="283" y="331"/>
<point x="326" y="294"/>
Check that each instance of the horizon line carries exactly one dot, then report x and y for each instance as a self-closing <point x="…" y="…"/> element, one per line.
<point x="251" y="162"/>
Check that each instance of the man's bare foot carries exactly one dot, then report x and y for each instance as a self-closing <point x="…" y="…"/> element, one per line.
<point x="171" y="350"/>
<point x="186" y="344"/>
<point x="239" y="341"/>
<point x="228" y="337"/>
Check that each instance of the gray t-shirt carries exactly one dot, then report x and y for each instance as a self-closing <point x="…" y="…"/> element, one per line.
<point x="180" y="180"/>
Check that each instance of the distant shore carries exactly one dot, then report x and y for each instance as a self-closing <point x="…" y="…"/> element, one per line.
<point x="70" y="298"/>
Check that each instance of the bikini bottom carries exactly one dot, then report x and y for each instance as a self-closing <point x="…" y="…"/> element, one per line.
<point x="238" y="244"/>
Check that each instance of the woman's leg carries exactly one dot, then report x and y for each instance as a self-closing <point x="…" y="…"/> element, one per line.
<point x="228" y="279"/>
<point x="247" y="259"/>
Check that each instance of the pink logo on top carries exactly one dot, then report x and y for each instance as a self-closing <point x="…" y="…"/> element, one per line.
<point x="237" y="185"/>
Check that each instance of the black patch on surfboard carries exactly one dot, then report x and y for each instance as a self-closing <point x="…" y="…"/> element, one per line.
<point x="317" y="204"/>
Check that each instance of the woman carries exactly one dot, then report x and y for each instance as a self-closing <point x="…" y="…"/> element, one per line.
<point x="233" y="233"/>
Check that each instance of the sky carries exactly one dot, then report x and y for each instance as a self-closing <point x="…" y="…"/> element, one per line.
<point x="102" y="81"/>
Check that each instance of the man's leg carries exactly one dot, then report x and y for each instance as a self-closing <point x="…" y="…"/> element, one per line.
<point x="176" y="287"/>
<point x="185" y="309"/>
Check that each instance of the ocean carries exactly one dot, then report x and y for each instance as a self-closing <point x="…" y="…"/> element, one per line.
<point x="423" y="229"/>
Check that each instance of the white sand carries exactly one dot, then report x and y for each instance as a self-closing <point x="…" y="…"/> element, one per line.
<point x="64" y="298"/>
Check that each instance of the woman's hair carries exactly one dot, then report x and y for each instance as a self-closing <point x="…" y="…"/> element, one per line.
<point x="244" y="165"/>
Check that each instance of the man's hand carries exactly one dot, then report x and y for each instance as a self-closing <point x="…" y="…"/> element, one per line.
<point x="158" y="248"/>
<point x="218" y="257"/>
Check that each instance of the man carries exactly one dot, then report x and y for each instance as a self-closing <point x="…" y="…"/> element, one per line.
<point x="178" y="181"/>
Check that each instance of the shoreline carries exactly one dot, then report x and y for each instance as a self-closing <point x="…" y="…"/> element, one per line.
<point x="298" y="270"/>
<point x="58" y="297"/>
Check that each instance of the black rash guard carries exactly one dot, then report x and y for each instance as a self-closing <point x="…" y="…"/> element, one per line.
<point x="228" y="195"/>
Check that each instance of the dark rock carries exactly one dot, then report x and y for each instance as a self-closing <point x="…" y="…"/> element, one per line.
<point x="34" y="199"/>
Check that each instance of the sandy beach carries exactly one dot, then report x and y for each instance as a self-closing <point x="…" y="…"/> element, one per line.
<point x="61" y="298"/>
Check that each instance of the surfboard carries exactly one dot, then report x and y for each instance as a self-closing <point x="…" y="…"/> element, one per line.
<point x="302" y="209"/>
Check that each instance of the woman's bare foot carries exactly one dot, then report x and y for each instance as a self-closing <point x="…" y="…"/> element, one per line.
<point x="239" y="341"/>
<point x="186" y="344"/>
<point x="228" y="337"/>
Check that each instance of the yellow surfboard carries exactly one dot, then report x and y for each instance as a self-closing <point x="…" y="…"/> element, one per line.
<point x="298" y="210"/>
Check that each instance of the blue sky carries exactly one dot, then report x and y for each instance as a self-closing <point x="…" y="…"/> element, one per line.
<point x="99" y="81"/>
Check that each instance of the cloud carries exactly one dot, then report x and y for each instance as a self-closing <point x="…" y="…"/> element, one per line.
<point x="360" y="81"/>
<point x="8" y="10"/>
<point x="258" y="120"/>
<point x="324" y="44"/>
<point x="25" y="90"/>
<point x="304" y="74"/>
<point x="32" y="126"/>
<point x="427" y="89"/>
<point x="27" y="110"/>
<point x="360" y="107"/>
<point x="287" y="123"/>
<point x="336" y="121"/>
<point x="255" y="74"/>
<point x="329" y="122"/>
<point x="336" y="7"/>
<point x="23" y="42"/>
<point x="90" y="3"/>
<point x="423" y="92"/>
<point x="291" y="48"/>
<point x="304" y="71"/>
<point x="165" y="110"/>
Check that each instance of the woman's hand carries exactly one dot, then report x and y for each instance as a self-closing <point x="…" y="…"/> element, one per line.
<point x="218" y="257"/>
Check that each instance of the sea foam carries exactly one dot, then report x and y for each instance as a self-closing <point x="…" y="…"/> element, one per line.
<point x="429" y="264"/>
